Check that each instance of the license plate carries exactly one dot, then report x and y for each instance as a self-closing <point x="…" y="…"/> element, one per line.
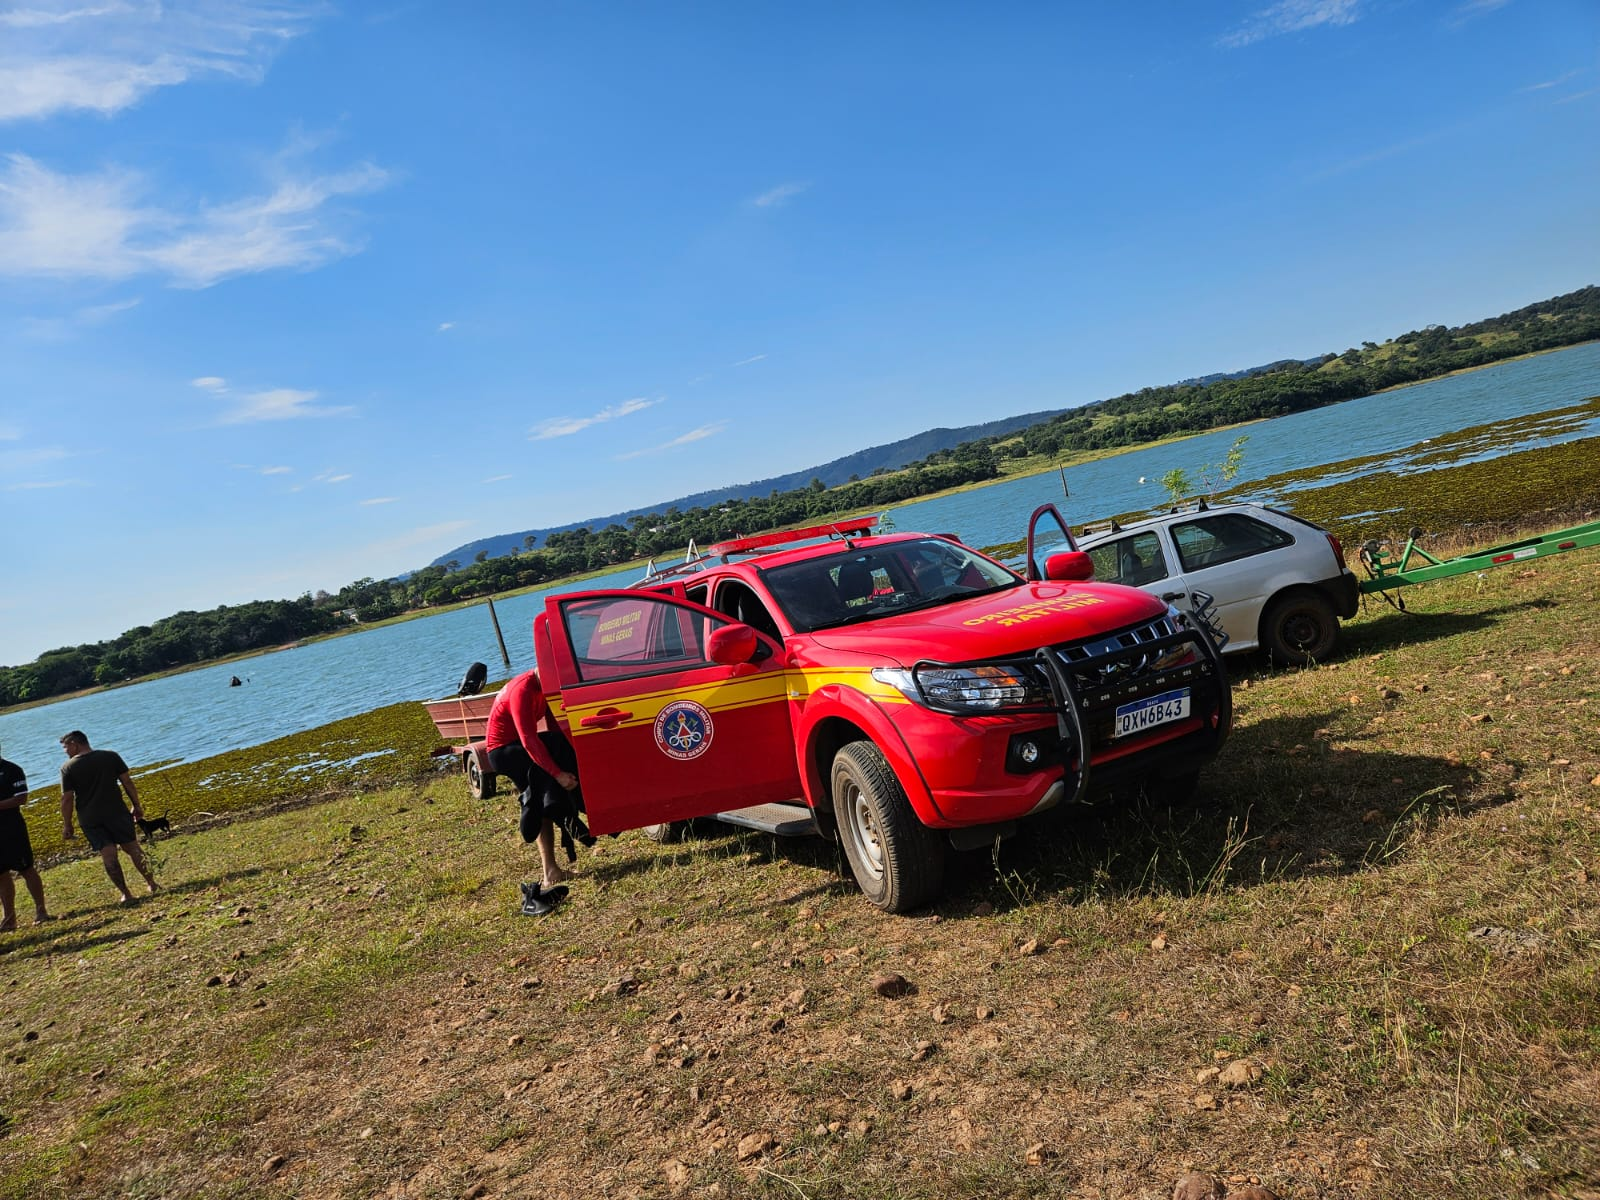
<point x="1152" y="711"/>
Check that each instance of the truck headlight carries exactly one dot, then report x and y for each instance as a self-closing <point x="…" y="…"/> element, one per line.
<point x="989" y="686"/>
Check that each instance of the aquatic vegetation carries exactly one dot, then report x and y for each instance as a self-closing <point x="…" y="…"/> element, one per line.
<point x="373" y="750"/>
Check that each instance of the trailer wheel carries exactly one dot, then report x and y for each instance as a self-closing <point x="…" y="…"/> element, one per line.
<point x="897" y="860"/>
<point x="1299" y="629"/>
<point x="666" y="833"/>
<point x="479" y="782"/>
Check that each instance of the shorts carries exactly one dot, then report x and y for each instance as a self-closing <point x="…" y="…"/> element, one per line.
<point x="16" y="851"/>
<point x="114" y="830"/>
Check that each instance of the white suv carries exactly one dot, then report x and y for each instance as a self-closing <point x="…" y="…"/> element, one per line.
<point x="1278" y="581"/>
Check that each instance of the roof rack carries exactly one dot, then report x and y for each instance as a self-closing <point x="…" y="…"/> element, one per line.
<point x="1197" y="506"/>
<point x="1110" y="526"/>
<point x="756" y="544"/>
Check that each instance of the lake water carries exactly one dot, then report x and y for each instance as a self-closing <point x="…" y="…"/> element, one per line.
<point x="197" y="715"/>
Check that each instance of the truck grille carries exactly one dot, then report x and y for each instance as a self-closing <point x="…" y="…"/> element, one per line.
<point x="1122" y="658"/>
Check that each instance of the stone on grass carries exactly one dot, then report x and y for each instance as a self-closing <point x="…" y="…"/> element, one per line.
<point x="1195" y="1186"/>
<point x="892" y="986"/>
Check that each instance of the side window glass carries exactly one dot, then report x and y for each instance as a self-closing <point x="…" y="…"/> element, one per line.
<point x="619" y="637"/>
<point x="743" y="605"/>
<point x="1107" y="559"/>
<point x="1227" y="537"/>
<point x="1134" y="561"/>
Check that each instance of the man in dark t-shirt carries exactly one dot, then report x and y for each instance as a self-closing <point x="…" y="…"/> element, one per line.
<point x="16" y="851"/>
<point x="94" y="781"/>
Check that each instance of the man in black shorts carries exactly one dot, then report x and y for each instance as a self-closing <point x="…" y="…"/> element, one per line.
<point x="95" y="781"/>
<point x="16" y="851"/>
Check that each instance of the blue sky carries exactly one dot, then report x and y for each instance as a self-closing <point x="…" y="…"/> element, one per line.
<point x="296" y="294"/>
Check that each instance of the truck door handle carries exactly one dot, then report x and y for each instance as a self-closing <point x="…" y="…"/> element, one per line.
<point x="1173" y="595"/>
<point x="606" y="718"/>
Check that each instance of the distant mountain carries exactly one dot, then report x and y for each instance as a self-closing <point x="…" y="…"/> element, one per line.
<point x="1218" y="377"/>
<point x="862" y="463"/>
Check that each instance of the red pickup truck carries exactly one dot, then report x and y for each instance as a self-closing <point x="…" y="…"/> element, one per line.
<point x="900" y="691"/>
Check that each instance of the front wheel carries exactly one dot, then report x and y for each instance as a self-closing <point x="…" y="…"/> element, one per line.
<point x="897" y="860"/>
<point x="1300" y="629"/>
<point x="479" y="782"/>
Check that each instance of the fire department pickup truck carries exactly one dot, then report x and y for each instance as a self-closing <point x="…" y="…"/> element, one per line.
<point x="899" y="691"/>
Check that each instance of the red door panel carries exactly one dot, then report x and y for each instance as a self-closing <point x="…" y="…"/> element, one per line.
<point x="661" y="732"/>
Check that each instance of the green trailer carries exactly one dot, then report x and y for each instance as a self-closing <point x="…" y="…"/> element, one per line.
<point x="1387" y="572"/>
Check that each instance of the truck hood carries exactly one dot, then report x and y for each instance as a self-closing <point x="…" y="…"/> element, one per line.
<point x="1014" y="621"/>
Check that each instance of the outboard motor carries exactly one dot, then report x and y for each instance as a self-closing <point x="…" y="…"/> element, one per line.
<point x="472" y="682"/>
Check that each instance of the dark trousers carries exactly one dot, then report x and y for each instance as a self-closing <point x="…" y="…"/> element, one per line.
<point x="533" y="781"/>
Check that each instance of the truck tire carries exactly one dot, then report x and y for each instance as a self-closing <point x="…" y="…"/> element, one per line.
<point x="666" y="833"/>
<point x="479" y="782"/>
<point x="1299" y="629"/>
<point x="897" y="860"/>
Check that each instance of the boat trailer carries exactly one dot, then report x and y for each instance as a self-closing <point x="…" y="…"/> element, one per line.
<point x="1387" y="572"/>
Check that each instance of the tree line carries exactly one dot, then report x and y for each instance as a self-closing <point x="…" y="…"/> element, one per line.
<point x="187" y="638"/>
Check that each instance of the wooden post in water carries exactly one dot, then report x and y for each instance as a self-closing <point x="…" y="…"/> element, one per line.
<point x="504" y="657"/>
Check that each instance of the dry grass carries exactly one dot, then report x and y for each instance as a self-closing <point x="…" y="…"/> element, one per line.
<point x="1384" y="902"/>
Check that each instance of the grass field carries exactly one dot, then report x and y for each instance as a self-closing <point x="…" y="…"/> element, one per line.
<point x="1363" y="964"/>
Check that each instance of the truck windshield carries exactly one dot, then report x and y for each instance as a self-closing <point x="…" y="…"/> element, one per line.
<point x="881" y="580"/>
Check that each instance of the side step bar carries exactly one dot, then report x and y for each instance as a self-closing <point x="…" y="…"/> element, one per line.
<point x="785" y="820"/>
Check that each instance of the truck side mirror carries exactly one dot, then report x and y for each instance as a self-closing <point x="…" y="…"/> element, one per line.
<point x="730" y="645"/>
<point x="1069" y="565"/>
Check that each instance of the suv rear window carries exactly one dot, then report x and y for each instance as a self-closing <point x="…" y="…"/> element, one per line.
<point x="1225" y="537"/>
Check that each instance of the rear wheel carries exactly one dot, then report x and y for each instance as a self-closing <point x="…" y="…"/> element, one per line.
<point x="897" y="860"/>
<point x="1299" y="629"/>
<point x="665" y="833"/>
<point x="479" y="782"/>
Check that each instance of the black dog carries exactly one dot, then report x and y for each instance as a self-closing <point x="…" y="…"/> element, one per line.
<point x="153" y="826"/>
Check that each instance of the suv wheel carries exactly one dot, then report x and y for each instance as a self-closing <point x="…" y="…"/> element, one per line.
<point x="1299" y="629"/>
<point x="897" y="860"/>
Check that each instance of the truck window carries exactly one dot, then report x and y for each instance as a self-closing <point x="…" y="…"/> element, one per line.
<point x="617" y="638"/>
<point x="741" y="603"/>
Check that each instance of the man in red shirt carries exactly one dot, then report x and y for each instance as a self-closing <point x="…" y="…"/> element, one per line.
<point x="535" y="760"/>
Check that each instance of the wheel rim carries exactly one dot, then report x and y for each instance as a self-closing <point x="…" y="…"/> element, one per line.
<point x="474" y="776"/>
<point x="865" y="832"/>
<point x="1302" y="629"/>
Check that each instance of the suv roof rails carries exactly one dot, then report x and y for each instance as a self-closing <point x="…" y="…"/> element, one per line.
<point x="1110" y="526"/>
<point x="1196" y="506"/>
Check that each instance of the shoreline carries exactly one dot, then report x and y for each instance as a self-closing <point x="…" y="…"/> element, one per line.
<point x="1025" y="468"/>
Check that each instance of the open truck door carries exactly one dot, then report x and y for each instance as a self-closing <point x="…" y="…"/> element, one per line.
<point x="674" y="710"/>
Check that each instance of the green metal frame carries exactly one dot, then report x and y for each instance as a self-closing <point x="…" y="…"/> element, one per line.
<point x="1394" y="571"/>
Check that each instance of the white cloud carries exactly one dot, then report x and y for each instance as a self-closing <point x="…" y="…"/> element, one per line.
<point x="497" y="478"/>
<point x="745" y="362"/>
<point x="277" y="470"/>
<point x="276" y="404"/>
<point x="1293" y="16"/>
<point x="333" y="477"/>
<point x="779" y="195"/>
<point x="104" y="58"/>
<point x="58" y="329"/>
<point x="566" y="426"/>
<point x="694" y="435"/>
<point x="380" y="500"/>
<point x="100" y="226"/>
<point x="211" y="383"/>
<point x="446" y="325"/>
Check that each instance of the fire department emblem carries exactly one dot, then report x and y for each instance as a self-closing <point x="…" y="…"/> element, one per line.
<point x="683" y="730"/>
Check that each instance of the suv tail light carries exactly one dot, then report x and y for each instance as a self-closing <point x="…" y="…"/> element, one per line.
<point x="1338" y="550"/>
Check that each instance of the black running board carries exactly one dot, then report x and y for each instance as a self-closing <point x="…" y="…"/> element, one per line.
<point x="785" y="820"/>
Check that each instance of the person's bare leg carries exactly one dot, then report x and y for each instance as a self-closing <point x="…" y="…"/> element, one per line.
<point x="113" y="866"/>
<point x="8" y="903"/>
<point x="131" y="849"/>
<point x="36" y="890"/>
<point x="553" y="874"/>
